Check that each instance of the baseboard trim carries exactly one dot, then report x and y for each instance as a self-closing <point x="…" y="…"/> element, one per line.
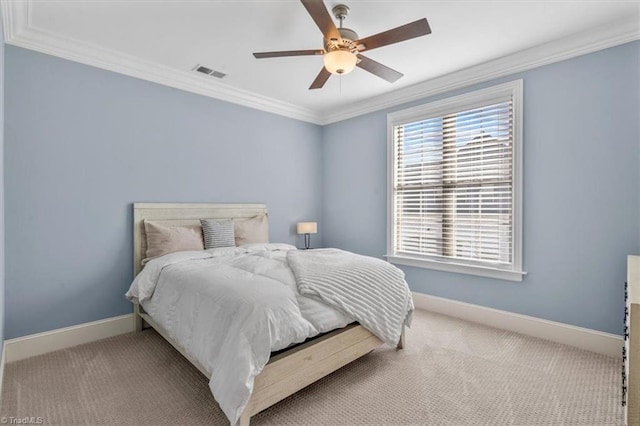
<point x="49" y="341"/>
<point x="583" y="338"/>
<point x="579" y="337"/>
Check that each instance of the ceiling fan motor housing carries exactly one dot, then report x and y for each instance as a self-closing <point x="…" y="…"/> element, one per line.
<point x="348" y="34"/>
<point x="348" y="38"/>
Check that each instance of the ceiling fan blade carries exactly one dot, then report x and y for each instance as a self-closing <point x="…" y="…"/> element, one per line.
<point x="378" y="69"/>
<point x="321" y="17"/>
<point x="321" y="79"/>
<point x="405" y="32"/>
<point x="262" y="55"/>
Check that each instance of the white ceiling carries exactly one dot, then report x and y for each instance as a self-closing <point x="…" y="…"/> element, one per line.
<point x="174" y="36"/>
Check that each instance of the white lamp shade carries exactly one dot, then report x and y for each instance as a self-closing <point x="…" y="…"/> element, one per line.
<point x="307" y="228"/>
<point x="340" y="61"/>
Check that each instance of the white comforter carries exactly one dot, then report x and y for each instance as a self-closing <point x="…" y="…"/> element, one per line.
<point x="229" y="309"/>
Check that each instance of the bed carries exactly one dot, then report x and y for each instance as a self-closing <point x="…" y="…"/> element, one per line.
<point x="287" y="370"/>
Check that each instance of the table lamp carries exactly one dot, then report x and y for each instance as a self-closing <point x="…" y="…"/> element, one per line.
<point x="307" y="228"/>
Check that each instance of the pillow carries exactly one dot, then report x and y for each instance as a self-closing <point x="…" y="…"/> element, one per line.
<point x="218" y="233"/>
<point x="252" y="230"/>
<point x="163" y="239"/>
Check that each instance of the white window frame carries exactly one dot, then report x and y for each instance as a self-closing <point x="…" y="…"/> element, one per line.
<point x="464" y="102"/>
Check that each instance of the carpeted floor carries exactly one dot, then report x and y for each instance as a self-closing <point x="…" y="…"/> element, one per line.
<point x="452" y="373"/>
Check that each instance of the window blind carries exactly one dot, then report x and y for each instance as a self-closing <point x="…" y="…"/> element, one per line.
<point x="453" y="186"/>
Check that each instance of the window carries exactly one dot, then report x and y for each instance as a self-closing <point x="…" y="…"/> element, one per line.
<point x="455" y="184"/>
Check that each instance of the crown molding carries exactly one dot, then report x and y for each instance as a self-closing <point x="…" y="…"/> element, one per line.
<point x="12" y="12"/>
<point x="19" y="31"/>
<point x="555" y="51"/>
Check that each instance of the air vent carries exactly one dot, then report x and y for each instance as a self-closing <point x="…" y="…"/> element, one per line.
<point x="204" y="70"/>
<point x="209" y="71"/>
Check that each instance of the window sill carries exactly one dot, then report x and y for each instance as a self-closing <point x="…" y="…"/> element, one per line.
<point x="481" y="271"/>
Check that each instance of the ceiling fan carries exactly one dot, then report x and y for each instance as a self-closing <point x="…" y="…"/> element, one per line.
<point x="342" y="47"/>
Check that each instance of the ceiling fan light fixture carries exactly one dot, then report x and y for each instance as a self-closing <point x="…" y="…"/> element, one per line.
<point x="339" y="61"/>
<point x="343" y="47"/>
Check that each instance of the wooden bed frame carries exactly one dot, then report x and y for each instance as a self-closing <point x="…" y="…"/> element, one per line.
<point x="287" y="371"/>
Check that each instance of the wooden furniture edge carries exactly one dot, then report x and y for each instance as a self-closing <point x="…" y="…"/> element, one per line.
<point x="633" y="381"/>
<point x="304" y="365"/>
<point x="401" y="341"/>
<point x="632" y="344"/>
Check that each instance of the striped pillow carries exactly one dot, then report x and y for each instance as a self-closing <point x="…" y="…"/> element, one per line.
<point x="218" y="233"/>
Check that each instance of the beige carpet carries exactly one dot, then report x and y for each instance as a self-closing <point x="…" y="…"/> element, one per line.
<point x="452" y="373"/>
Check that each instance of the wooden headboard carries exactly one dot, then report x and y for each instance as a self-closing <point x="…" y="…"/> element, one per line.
<point x="181" y="214"/>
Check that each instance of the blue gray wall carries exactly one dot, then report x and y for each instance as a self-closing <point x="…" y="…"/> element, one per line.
<point x="82" y="144"/>
<point x="581" y="192"/>
<point x="2" y="308"/>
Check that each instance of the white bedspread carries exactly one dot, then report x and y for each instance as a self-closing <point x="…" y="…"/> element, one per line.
<point x="229" y="309"/>
<point x="226" y="318"/>
<point x="370" y="290"/>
